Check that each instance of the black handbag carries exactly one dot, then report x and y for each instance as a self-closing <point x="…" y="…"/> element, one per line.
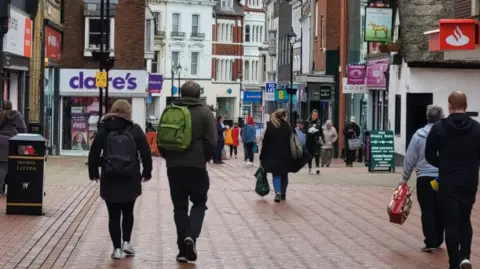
<point x="297" y="165"/>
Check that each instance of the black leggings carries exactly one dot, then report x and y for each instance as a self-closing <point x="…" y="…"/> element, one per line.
<point x="116" y="212"/>
<point x="233" y="149"/>
<point x="249" y="147"/>
<point x="317" y="161"/>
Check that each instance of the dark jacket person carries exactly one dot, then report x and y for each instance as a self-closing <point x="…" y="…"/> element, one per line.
<point x="453" y="146"/>
<point x="187" y="172"/>
<point x="119" y="190"/>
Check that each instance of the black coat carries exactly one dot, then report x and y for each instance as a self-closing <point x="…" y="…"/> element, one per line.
<point x="314" y="141"/>
<point x="275" y="155"/>
<point x="114" y="188"/>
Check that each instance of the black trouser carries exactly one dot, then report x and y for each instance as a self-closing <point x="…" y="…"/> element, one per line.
<point x="350" y="156"/>
<point x="219" y="150"/>
<point x="317" y="161"/>
<point x="120" y="229"/>
<point x="456" y="204"/>
<point x="284" y="184"/>
<point x="188" y="183"/>
<point x="233" y="149"/>
<point x="249" y="148"/>
<point x="432" y="222"/>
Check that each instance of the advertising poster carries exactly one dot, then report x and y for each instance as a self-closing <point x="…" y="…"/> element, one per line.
<point x="378" y="24"/>
<point x="79" y="129"/>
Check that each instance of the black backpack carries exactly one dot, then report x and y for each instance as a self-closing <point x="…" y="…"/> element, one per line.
<point x="120" y="155"/>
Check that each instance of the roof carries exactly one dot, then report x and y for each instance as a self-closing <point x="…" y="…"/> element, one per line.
<point x="236" y="11"/>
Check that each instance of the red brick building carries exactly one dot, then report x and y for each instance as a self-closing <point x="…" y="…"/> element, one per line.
<point x="327" y="36"/>
<point x="227" y="47"/>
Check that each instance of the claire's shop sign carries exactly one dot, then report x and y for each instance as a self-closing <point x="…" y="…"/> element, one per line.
<point x="119" y="81"/>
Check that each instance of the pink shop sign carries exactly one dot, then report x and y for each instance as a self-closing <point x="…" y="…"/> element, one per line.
<point x="376" y="74"/>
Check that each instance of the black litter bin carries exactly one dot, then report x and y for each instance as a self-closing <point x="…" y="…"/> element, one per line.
<point x="26" y="173"/>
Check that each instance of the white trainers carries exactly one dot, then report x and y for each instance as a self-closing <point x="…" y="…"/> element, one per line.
<point x="117" y="254"/>
<point x="128" y="249"/>
<point x="466" y="264"/>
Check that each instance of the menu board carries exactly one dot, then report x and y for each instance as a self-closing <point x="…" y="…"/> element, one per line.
<point x="382" y="151"/>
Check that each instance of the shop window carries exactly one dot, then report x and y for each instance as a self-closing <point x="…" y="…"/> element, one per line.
<point x="79" y="121"/>
<point x="93" y="37"/>
<point x="226" y="107"/>
<point x="398" y="113"/>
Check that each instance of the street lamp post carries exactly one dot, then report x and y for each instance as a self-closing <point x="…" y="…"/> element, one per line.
<point x="175" y="70"/>
<point x="179" y="71"/>
<point x="240" y="77"/>
<point x="291" y="91"/>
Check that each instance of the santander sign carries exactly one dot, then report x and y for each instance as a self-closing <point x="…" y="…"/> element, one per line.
<point x="457" y="39"/>
<point x="457" y="34"/>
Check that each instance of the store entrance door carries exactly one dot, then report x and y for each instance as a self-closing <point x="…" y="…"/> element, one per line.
<point x="416" y="110"/>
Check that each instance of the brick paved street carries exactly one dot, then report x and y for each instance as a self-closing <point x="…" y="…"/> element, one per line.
<point x="335" y="220"/>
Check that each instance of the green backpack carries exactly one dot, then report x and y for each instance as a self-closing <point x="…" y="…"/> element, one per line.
<point x="174" y="132"/>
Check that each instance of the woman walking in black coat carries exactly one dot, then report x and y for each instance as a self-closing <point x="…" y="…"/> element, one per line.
<point x="276" y="156"/>
<point x="315" y="138"/>
<point x="120" y="180"/>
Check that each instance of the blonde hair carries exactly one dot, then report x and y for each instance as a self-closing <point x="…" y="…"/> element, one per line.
<point x="7" y="107"/>
<point x="277" y="116"/>
<point x="122" y="108"/>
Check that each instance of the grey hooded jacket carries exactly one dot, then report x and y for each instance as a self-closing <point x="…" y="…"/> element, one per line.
<point x="415" y="156"/>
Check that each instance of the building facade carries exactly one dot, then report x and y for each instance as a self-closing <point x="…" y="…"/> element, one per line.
<point x="78" y="102"/>
<point x="227" y="57"/>
<point x="271" y="19"/>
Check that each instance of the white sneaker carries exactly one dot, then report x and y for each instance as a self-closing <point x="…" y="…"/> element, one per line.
<point x="248" y="164"/>
<point x="128" y="249"/>
<point x="310" y="172"/>
<point x="466" y="264"/>
<point x="117" y="254"/>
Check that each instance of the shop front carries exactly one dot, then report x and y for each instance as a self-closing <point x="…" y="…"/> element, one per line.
<point x="155" y="91"/>
<point x="377" y="71"/>
<point x="16" y="54"/>
<point x="79" y="104"/>
<point x="252" y="105"/>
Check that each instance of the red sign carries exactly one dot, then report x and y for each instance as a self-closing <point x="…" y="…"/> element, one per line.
<point x="457" y="34"/>
<point x="53" y="44"/>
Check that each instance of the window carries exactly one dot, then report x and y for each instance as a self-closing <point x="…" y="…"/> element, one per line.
<point x="264" y="68"/>
<point x="176" y="23"/>
<point x="148" y="36"/>
<point x="175" y="58"/>
<point x="93" y="38"/>
<point x="195" y="23"/>
<point x="224" y="32"/>
<point x="219" y="32"/>
<point x="247" y="33"/>
<point x="398" y="114"/>
<point x="227" y="4"/>
<point x="158" y="21"/>
<point x="217" y="70"/>
<point x="194" y="62"/>
<point x="155" y="62"/>
<point x="246" y="71"/>
<point x="323" y="32"/>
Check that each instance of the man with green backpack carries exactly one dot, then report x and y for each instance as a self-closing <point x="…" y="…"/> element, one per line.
<point x="186" y="139"/>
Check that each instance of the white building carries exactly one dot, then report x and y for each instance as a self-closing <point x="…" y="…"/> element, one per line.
<point x="183" y="47"/>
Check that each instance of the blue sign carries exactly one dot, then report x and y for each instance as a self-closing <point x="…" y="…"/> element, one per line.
<point x="270" y="87"/>
<point x="149" y="98"/>
<point x="174" y="90"/>
<point x="229" y="91"/>
<point x="252" y="97"/>
<point x="281" y="96"/>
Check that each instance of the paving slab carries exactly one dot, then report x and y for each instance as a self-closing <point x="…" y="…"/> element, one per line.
<point x="335" y="220"/>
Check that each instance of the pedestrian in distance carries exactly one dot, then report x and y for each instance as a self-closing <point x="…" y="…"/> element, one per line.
<point x="220" y="140"/>
<point x="186" y="153"/>
<point x="249" y="135"/>
<point x="11" y="124"/>
<point x="276" y="155"/>
<point x="453" y="145"/>
<point x="235" y="141"/>
<point x="351" y="131"/>
<point x="330" y="135"/>
<point x="313" y="129"/>
<point x="121" y="141"/>
<point x="228" y="138"/>
<point x="432" y="222"/>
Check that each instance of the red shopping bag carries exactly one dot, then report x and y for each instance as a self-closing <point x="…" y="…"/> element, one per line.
<point x="401" y="204"/>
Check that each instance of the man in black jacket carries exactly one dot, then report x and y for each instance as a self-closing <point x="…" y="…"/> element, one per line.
<point x="453" y="146"/>
<point x="187" y="172"/>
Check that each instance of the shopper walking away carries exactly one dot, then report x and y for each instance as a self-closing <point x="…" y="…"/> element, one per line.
<point x="220" y="140"/>
<point x="330" y="135"/>
<point x="121" y="142"/>
<point x="453" y="145"/>
<point x="11" y="123"/>
<point x="186" y="166"/>
<point x="351" y="131"/>
<point x="276" y="155"/>
<point x="235" y="142"/>
<point x="313" y="129"/>
<point x="249" y="135"/>
<point x="432" y="222"/>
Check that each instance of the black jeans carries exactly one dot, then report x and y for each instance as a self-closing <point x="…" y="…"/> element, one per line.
<point x="432" y="222"/>
<point x="233" y="150"/>
<point x="350" y="156"/>
<point x="317" y="161"/>
<point x="284" y="184"/>
<point x="120" y="229"/>
<point x="219" y="150"/>
<point x="249" y="148"/>
<point x="188" y="183"/>
<point x="456" y="204"/>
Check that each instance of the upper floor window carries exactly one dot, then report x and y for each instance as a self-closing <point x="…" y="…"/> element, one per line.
<point x="195" y="23"/>
<point x="175" y="58"/>
<point x="246" y="71"/>
<point x="158" y="21"/>
<point x="194" y="63"/>
<point x="176" y="23"/>
<point x="247" y="33"/>
<point x="228" y="4"/>
<point x="93" y="38"/>
<point x="148" y="35"/>
<point x="155" y="62"/>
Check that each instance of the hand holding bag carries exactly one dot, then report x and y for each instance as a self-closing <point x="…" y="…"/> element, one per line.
<point x="354" y="143"/>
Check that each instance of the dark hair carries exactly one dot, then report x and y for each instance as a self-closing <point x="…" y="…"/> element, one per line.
<point x="6" y="108"/>
<point x="219" y="118"/>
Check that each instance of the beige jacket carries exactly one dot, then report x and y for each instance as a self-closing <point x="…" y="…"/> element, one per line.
<point x="331" y="137"/>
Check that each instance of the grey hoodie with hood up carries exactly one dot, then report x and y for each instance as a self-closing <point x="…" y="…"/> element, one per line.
<point x="415" y="156"/>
